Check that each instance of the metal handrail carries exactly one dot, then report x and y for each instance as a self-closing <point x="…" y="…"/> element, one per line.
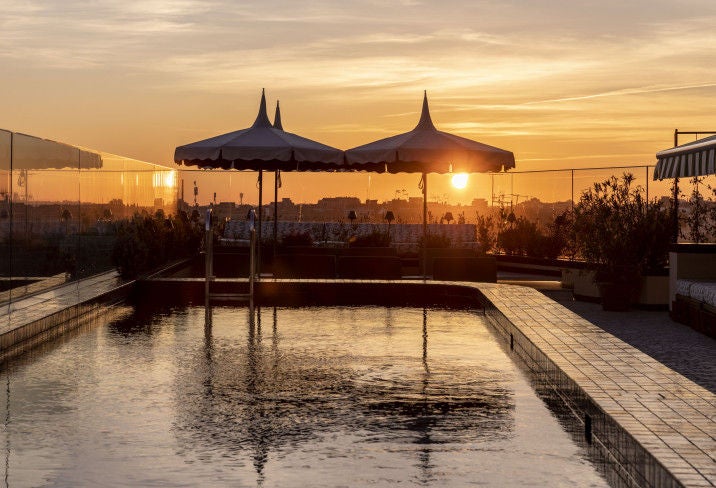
<point x="209" y="258"/>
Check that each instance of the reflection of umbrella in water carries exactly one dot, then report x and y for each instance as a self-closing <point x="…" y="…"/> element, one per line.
<point x="428" y="150"/>
<point x="260" y="147"/>
<point x="262" y="397"/>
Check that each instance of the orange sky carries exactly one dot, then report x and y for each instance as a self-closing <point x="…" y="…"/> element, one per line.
<point x="560" y="83"/>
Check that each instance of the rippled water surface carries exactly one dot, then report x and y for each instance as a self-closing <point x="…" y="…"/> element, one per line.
<point x="293" y="397"/>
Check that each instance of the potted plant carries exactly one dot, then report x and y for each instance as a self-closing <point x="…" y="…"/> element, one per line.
<point x="621" y="236"/>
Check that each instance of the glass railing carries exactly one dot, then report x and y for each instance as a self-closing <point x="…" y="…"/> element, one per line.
<point x="329" y="197"/>
<point x="60" y="206"/>
<point x="498" y="200"/>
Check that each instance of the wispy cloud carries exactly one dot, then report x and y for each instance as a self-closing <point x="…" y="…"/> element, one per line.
<point x="628" y="91"/>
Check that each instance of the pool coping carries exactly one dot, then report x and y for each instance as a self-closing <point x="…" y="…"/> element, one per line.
<point x="34" y="319"/>
<point x="656" y="425"/>
<point x="659" y="425"/>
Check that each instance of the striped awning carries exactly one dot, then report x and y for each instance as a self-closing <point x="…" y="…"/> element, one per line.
<point x="696" y="158"/>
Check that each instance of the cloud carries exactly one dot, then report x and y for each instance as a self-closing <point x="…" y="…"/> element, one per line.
<point x="628" y="91"/>
<point x="555" y="71"/>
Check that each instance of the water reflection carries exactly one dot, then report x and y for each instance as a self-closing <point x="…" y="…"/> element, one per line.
<point x="280" y="397"/>
<point x="6" y="428"/>
<point x="313" y="381"/>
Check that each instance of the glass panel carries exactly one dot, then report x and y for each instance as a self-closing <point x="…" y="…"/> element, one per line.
<point x="5" y="223"/>
<point x="59" y="207"/>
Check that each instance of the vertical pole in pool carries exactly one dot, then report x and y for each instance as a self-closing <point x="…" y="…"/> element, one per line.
<point x="276" y="182"/>
<point x="252" y="258"/>
<point x="261" y="194"/>
<point x="425" y="225"/>
<point x="208" y="256"/>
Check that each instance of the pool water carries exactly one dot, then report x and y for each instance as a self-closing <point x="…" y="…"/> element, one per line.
<point x="285" y="397"/>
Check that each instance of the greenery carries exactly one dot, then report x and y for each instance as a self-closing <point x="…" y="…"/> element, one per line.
<point x="697" y="218"/>
<point x="435" y="241"/>
<point x="146" y="242"/>
<point x="376" y="238"/>
<point x="519" y="239"/>
<point x="616" y="229"/>
<point x="485" y="233"/>
<point x="522" y="237"/>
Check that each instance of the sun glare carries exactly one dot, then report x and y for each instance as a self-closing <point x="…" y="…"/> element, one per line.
<point x="459" y="180"/>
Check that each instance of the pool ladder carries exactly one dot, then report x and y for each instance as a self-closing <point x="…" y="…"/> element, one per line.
<point x="229" y="297"/>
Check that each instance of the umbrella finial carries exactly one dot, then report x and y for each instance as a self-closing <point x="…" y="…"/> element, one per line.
<point x="425" y="121"/>
<point x="277" y="118"/>
<point x="262" y="119"/>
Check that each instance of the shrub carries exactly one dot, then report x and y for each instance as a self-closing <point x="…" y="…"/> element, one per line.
<point x="376" y="238"/>
<point x="616" y="228"/>
<point x="435" y="241"/>
<point x="485" y="233"/>
<point x="521" y="238"/>
<point x="145" y="242"/>
<point x="697" y="218"/>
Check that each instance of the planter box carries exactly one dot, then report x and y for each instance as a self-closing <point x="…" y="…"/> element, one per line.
<point x="654" y="289"/>
<point x="482" y="269"/>
<point x="582" y="283"/>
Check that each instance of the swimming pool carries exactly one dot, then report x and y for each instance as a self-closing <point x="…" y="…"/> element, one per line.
<point x="317" y="396"/>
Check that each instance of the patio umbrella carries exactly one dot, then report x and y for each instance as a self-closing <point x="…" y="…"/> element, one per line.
<point x="428" y="150"/>
<point x="697" y="158"/>
<point x="260" y="147"/>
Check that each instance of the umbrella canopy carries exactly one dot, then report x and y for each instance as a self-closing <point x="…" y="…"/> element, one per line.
<point x="428" y="150"/>
<point x="697" y="158"/>
<point x="260" y="147"/>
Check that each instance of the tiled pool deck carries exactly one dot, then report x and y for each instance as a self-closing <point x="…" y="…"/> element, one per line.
<point x="670" y="416"/>
<point x="34" y="318"/>
<point x="660" y="425"/>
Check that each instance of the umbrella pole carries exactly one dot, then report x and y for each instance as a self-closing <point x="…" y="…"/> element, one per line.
<point x="275" y="209"/>
<point x="258" y="248"/>
<point x="425" y="226"/>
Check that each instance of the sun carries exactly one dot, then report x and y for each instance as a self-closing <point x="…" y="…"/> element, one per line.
<point x="459" y="180"/>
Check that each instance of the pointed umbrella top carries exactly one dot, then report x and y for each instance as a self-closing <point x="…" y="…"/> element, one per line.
<point x="277" y="118"/>
<point x="261" y="146"/>
<point x="426" y="149"/>
<point x="425" y="121"/>
<point x="262" y="119"/>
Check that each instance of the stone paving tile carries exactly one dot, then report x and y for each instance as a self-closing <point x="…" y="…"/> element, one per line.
<point x="677" y="346"/>
<point x="658" y="406"/>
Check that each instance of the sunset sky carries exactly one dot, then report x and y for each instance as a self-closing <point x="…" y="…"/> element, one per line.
<point x="561" y="83"/>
